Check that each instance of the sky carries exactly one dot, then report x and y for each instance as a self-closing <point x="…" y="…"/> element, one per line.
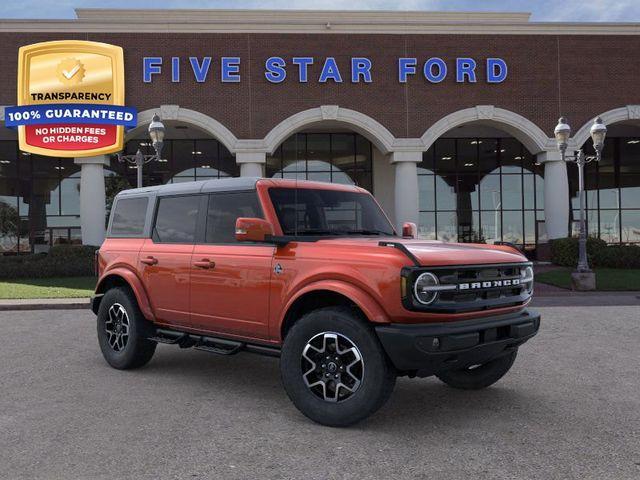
<point x="542" y="10"/>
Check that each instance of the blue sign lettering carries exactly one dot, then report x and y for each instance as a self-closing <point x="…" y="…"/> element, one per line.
<point x="230" y="70"/>
<point x="175" y="69"/>
<point x="441" y="67"/>
<point x="275" y="69"/>
<point x="434" y="69"/>
<point x="330" y="71"/>
<point x="303" y="65"/>
<point x="360" y="67"/>
<point x="465" y="67"/>
<point x="151" y="66"/>
<point x="406" y="66"/>
<point x="200" y="71"/>
<point x="496" y="70"/>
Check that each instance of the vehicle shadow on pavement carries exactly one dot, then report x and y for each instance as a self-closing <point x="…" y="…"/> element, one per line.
<point x="252" y="381"/>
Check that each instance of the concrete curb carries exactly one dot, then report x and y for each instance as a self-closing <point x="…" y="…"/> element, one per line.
<point x="45" y="304"/>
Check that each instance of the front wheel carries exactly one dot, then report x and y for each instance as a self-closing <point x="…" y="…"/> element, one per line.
<point x="334" y="369"/>
<point x="477" y="377"/>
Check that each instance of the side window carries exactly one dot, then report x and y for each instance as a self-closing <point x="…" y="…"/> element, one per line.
<point x="224" y="209"/>
<point x="176" y="219"/>
<point x="128" y="216"/>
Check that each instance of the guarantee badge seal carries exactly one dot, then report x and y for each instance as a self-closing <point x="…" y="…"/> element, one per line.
<point x="70" y="99"/>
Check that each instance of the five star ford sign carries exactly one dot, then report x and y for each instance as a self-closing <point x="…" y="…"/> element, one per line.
<point x="70" y="99"/>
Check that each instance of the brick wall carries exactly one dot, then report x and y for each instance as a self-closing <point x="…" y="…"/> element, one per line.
<point x="578" y="76"/>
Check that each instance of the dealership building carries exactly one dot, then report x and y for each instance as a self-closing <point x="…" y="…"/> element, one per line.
<point x="447" y="118"/>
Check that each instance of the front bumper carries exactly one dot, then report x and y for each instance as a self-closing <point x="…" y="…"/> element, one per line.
<point x="426" y="349"/>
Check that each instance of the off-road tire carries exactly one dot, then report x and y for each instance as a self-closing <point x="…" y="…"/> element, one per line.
<point x="481" y="376"/>
<point x="378" y="375"/>
<point x="137" y="350"/>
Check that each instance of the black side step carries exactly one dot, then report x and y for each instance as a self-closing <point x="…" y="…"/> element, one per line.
<point x="220" y="346"/>
<point x="169" y="337"/>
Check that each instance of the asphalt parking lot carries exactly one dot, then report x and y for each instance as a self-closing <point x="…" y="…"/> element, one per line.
<point x="570" y="408"/>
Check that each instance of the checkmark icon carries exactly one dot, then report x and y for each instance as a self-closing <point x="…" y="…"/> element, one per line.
<point x="71" y="73"/>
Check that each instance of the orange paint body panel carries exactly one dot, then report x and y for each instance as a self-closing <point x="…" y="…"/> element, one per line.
<point x="245" y="290"/>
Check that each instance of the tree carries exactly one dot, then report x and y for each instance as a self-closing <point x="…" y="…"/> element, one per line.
<point x="9" y="222"/>
<point x="114" y="184"/>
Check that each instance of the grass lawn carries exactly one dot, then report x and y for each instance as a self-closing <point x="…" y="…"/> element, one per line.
<point x="69" y="287"/>
<point x="606" y="278"/>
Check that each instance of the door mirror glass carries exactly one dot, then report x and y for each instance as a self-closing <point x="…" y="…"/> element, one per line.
<point x="252" y="229"/>
<point x="409" y="230"/>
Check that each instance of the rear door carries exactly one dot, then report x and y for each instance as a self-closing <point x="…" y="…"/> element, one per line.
<point x="165" y="258"/>
<point x="230" y="280"/>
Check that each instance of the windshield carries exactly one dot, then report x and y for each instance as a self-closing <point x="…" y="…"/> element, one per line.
<point x="328" y="212"/>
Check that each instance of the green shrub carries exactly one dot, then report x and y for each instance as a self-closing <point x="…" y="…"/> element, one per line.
<point x="618" y="256"/>
<point x="564" y="252"/>
<point x="61" y="261"/>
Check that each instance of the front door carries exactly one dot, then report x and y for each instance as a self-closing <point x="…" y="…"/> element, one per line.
<point x="165" y="259"/>
<point x="229" y="280"/>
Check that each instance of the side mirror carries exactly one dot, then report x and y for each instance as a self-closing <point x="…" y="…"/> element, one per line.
<point x="409" y="230"/>
<point x="252" y="229"/>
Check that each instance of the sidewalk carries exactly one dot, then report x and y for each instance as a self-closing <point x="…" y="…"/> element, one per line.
<point x="544" y="296"/>
<point x="44" y="304"/>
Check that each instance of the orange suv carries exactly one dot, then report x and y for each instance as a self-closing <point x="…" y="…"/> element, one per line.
<point x="315" y="274"/>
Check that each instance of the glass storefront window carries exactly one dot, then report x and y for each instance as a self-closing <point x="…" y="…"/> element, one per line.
<point x="42" y="194"/>
<point x="512" y="192"/>
<point x="512" y="228"/>
<point x="8" y="159"/>
<point x="327" y="157"/>
<point x="182" y="163"/>
<point x="490" y="192"/>
<point x="610" y="225"/>
<point x="630" y="190"/>
<point x="630" y="224"/>
<point x="427" y="192"/>
<point x="447" y="226"/>
<point x="480" y="190"/>
<point x="612" y="191"/>
<point x="427" y="227"/>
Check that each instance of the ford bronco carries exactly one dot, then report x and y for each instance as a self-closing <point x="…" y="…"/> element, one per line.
<point x="315" y="274"/>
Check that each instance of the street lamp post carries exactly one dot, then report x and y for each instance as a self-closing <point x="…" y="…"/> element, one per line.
<point x="156" y="133"/>
<point x="562" y="133"/>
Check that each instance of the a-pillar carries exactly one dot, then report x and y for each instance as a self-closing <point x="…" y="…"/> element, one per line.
<point x="251" y="163"/>
<point x="406" y="187"/>
<point x="92" y="199"/>
<point x="556" y="194"/>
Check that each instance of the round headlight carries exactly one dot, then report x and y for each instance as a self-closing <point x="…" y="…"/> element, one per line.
<point x="526" y="278"/>
<point x="422" y="289"/>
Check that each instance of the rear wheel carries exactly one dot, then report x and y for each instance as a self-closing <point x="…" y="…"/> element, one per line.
<point x="334" y="369"/>
<point x="123" y="331"/>
<point x="477" y="377"/>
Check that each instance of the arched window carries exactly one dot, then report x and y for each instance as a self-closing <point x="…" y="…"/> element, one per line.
<point x="328" y="157"/>
<point x="480" y="190"/>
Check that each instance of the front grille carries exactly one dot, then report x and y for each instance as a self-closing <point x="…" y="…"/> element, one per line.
<point x="472" y="288"/>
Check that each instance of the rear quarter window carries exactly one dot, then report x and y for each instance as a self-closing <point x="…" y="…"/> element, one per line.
<point x="176" y="219"/>
<point x="128" y="217"/>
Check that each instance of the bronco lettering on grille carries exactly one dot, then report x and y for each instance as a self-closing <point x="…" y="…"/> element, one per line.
<point x="508" y="282"/>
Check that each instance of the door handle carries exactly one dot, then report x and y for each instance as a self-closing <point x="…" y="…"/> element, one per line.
<point x="149" y="260"/>
<point x="204" y="263"/>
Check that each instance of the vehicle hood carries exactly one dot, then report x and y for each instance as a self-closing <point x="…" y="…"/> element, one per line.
<point x="432" y="252"/>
